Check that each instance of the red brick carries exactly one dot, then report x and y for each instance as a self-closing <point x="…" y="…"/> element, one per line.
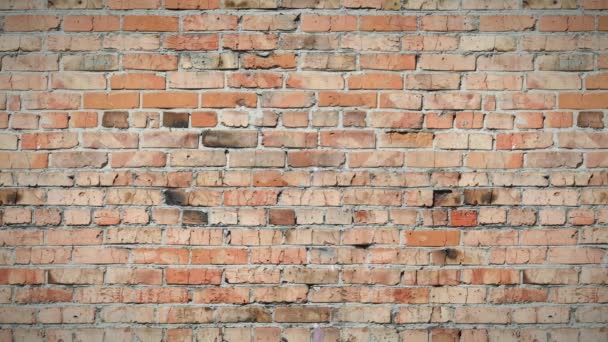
<point x="387" y="23"/>
<point x="502" y="23"/>
<point x="192" y="4"/>
<point x="194" y="42"/>
<point x="147" y="61"/>
<point x="111" y="100"/>
<point x="241" y="42"/>
<point x="228" y="99"/>
<point x="22" y="23"/>
<point x="255" y="80"/>
<point x="328" y="23"/>
<point x="150" y="23"/>
<point x="248" y="160"/>
<point x="170" y="99"/>
<point x="137" y="81"/>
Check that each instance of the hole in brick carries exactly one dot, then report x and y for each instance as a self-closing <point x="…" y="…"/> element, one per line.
<point x="450" y="253"/>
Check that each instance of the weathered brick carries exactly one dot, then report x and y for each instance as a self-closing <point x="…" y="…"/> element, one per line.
<point x="217" y="138"/>
<point x="476" y="194"/>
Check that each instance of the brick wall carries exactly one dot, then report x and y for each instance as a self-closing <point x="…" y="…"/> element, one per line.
<point x="303" y="170"/>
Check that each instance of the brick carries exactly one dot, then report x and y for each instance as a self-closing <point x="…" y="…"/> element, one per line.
<point x="492" y="160"/>
<point x="581" y="140"/>
<point x="289" y="139"/>
<point x="20" y="23"/>
<point x="150" y="23"/>
<point x="315" y="158"/>
<point x="328" y="23"/>
<point x="590" y="120"/>
<point x="204" y="119"/>
<point x="552" y="81"/>
<point x="361" y="42"/>
<point x="518" y="141"/>
<point x="230" y="139"/>
<point x="505" y="62"/>
<point x="195" y="80"/>
<point x="170" y="139"/>
<point x="257" y="159"/>
<point x="434" y="81"/>
<point x="191" y="4"/>
<point x="429" y="43"/>
<point x="287" y="99"/>
<point x="170" y="99"/>
<point x="196" y="42"/>
<point x="309" y="42"/>
<point x="375" y="81"/>
<point x="387" y="61"/>
<point x="502" y="23"/>
<point x="447" y="62"/>
<point x="319" y="61"/>
<point x="78" y="159"/>
<point x="132" y="41"/>
<point x="98" y="62"/>
<point x="269" y="22"/>
<point x="348" y="139"/>
<point x="273" y="60"/>
<point x="447" y="23"/>
<point x="228" y="99"/>
<point x="111" y="100"/>
<point x="150" y="61"/>
<point x="489" y="42"/>
<point x="570" y="62"/>
<point x="138" y="159"/>
<point x="239" y="42"/>
<point x="17" y="5"/>
<point x="24" y="121"/>
<point x="259" y="164"/>
<point x="582" y="100"/>
<point x="596" y="81"/>
<point x="85" y="81"/>
<point x="553" y="159"/>
<point x="526" y="101"/>
<point x="91" y="23"/>
<point x="53" y="100"/>
<point x="310" y="80"/>
<point x="302" y="314"/>
<point x="132" y="81"/>
<point x="387" y="23"/>
<point x="255" y="80"/>
<point x="109" y="140"/>
<point x="554" y="23"/>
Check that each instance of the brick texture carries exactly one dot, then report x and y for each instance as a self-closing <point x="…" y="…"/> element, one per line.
<point x="304" y="170"/>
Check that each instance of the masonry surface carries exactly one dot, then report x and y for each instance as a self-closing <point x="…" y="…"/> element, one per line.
<point x="303" y="170"/>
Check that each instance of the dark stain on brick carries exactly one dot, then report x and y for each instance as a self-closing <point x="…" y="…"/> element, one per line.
<point x="450" y="253"/>
<point x="115" y="120"/>
<point x="221" y="138"/>
<point x="231" y="4"/>
<point x="8" y="197"/>
<point x="176" y="197"/>
<point x="175" y="120"/>
<point x="259" y="315"/>
<point x="442" y="197"/>
<point x="478" y="197"/>
<point x="194" y="217"/>
<point x="590" y="120"/>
